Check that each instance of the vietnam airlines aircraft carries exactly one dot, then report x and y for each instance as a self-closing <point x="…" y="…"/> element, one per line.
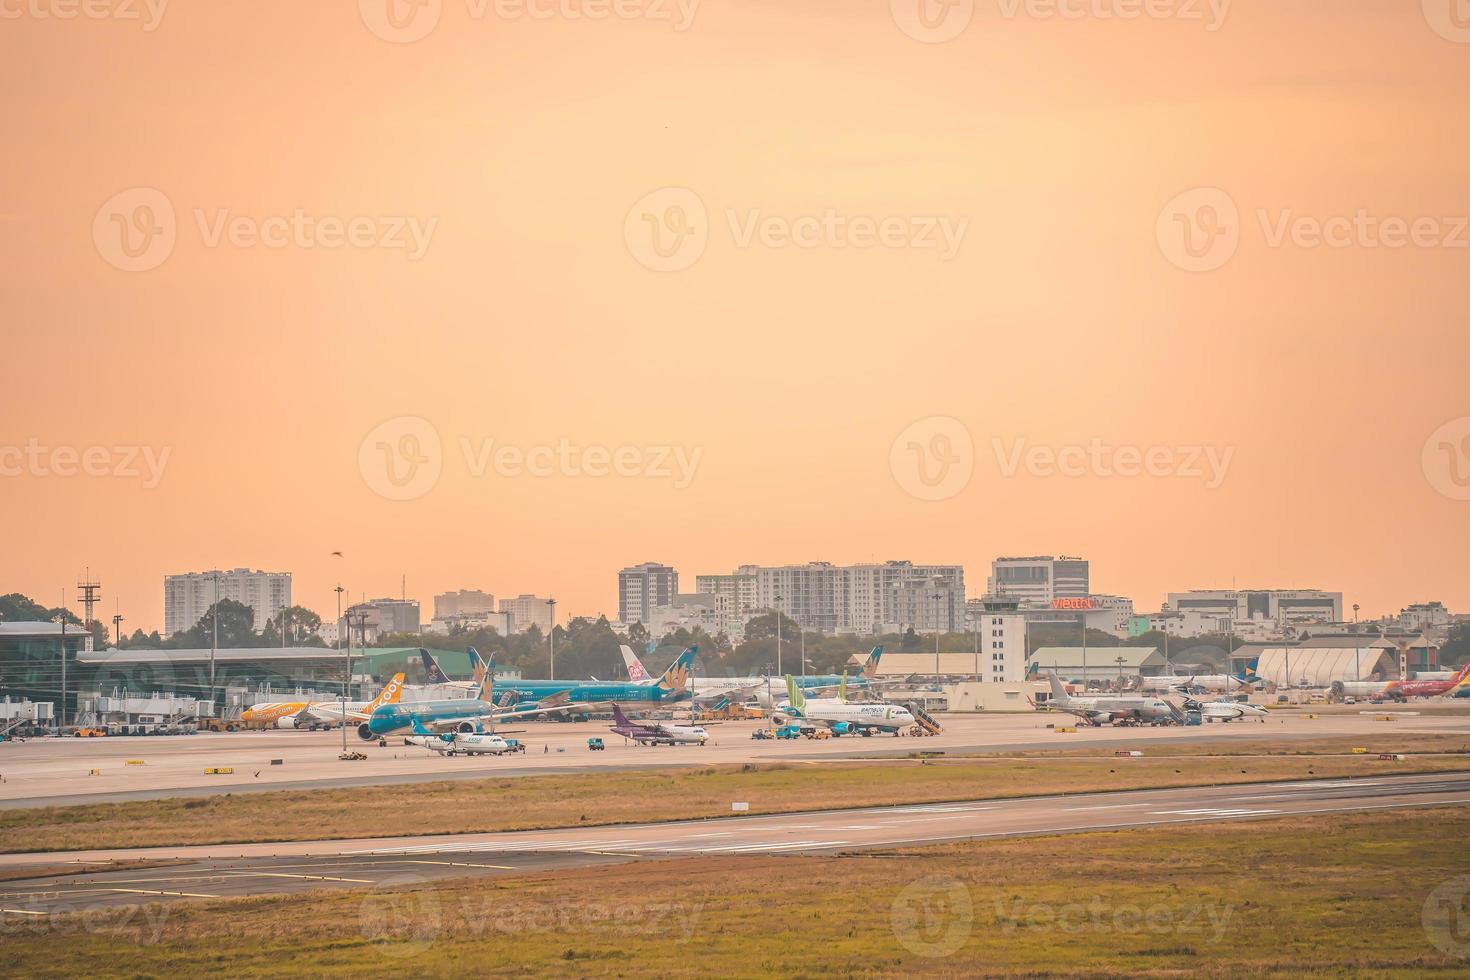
<point x="310" y="714"/>
<point x="672" y="685"/>
<point x="474" y="714"/>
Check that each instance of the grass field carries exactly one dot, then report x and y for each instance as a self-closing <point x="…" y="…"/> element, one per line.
<point x="1327" y="895"/>
<point x="501" y="804"/>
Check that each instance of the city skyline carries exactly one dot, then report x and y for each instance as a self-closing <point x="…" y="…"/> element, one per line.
<point x="975" y="579"/>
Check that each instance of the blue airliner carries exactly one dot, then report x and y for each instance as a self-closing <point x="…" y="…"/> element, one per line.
<point x="468" y="715"/>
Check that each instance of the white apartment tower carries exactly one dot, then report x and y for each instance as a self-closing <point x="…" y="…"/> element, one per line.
<point x="187" y="597"/>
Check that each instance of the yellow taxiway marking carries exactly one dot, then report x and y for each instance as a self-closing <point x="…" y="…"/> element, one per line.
<point x="461" y="864"/>
<point x="281" y="874"/>
<point x="22" y="912"/>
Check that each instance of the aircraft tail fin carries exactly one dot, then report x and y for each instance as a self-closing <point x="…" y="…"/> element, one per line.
<point x="675" y="680"/>
<point x="391" y="692"/>
<point x="619" y="718"/>
<point x="1058" y="692"/>
<point x="433" y="673"/>
<point x="794" y="695"/>
<point x="842" y="687"/>
<point x="870" y="666"/>
<point x="477" y="664"/>
<point x="487" y="681"/>
<point x="1032" y="669"/>
<point x="418" y="726"/>
<point x="637" y="673"/>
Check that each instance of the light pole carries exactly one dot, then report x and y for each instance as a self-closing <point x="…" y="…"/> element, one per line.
<point x="340" y="625"/>
<point x="779" y="671"/>
<point x="1120" y="661"/>
<point x="61" y="615"/>
<point x="552" y="603"/>
<point x="213" y="639"/>
<point x="1083" y="617"/>
<point x="977" y="651"/>
<point x="936" y="597"/>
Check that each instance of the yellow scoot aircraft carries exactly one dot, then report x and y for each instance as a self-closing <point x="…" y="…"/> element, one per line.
<point x="310" y="714"/>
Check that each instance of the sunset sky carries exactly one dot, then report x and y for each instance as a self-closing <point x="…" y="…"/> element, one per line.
<point x="271" y="385"/>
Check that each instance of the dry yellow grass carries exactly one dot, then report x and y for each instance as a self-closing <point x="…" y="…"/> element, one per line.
<point x="1334" y="895"/>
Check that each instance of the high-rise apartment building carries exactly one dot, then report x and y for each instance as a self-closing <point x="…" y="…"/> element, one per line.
<point x="187" y="597"/>
<point x="643" y="587"/>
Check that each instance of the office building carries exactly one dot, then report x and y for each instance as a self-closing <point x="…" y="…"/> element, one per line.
<point x="1284" y="607"/>
<point x="369" y="620"/>
<point x="1039" y="581"/>
<point x="869" y="598"/>
<point x="738" y="589"/>
<point x="642" y="587"/>
<point x="187" y="597"/>
<point x="527" y="611"/>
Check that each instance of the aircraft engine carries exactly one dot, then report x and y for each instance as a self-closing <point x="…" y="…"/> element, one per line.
<point x="365" y="733"/>
<point x="286" y="723"/>
<point x="467" y="728"/>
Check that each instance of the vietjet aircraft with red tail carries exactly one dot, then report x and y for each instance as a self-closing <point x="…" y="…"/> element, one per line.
<point x="1403" y="690"/>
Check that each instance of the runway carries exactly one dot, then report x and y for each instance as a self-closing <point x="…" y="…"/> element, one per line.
<point x="227" y="870"/>
<point x="58" y="772"/>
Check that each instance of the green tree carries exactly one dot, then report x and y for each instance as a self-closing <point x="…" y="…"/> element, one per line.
<point x="236" y="628"/>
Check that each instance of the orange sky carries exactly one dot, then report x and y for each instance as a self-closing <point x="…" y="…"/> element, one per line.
<point x="532" y="316"/>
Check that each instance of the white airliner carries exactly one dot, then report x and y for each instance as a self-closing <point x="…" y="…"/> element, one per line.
<point x="839" y="715"/>
<point x="1225" y="711"/>
<point x="1111" y="707"/>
